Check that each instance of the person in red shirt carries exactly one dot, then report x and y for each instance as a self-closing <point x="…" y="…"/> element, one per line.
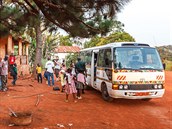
<point x="12" y="59"/>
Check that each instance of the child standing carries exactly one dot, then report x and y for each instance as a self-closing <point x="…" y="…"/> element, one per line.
<point x="14" y="73"/>
<point x="39" y="73"/>
<point x="70" y="85"/>
<point x="62" y="79"/>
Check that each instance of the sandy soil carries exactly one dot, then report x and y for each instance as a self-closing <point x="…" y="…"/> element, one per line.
<point x="92" y="112"/>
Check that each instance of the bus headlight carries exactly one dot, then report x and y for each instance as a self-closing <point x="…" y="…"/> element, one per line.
<point x="155" y="86"/>
<point x="120" y="87"/>
<point x="159" y="86"/>
<point x="125" y="87"/>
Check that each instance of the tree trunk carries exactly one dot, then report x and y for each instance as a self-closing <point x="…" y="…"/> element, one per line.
<point x="39" y="44"/>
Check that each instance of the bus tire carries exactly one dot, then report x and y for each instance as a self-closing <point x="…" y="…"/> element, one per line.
<point x="105" y="94"/>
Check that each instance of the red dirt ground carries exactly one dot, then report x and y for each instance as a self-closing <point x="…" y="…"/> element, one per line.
<point x="89" y="113"/>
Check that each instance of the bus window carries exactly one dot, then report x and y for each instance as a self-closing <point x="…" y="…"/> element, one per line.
<point x="100" y="58"/>
<point x="82" y="55"/>
<point x="107" y="58"/>
<point x="88" y="58"/>
<point x="136" y="58"/>
<point x="104" y="58"/>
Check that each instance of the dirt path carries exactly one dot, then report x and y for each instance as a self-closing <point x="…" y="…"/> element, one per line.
<point x="89" y="113"/>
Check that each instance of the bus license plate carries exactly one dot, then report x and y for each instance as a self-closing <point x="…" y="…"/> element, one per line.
<point x="141" y="93"/>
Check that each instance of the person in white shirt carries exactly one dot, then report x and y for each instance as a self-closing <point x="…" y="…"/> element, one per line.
<point x="50" y="71"/>
<point x="4" y="73"/>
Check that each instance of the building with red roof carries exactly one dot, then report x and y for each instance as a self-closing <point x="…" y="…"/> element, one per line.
<point x="63" y="51"/>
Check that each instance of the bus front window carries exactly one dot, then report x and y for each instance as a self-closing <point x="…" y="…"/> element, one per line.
<point x="136" y="58"/>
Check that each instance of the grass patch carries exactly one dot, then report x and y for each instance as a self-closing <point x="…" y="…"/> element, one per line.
<point x="168" y="65"/>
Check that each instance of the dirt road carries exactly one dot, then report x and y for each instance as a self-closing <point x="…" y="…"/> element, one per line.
<point x="89" y="113"/>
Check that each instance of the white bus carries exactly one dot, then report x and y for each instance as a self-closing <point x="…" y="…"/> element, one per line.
<point x="126" y="70"/>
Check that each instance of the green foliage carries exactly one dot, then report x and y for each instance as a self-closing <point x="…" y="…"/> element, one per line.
<point x="32" y="51"/>
<point x="114" y="37"/>
<point x="120" y="37"/>
<point x="169" y="65"/>
<point x="81" y="18"/>
<point x="14" y="19"/>
<point x="65" y="41"/>
<point x="165" y="52"/>
<point x="71" y="58"/>
<point x="95" y="40"/>
<point x="51" y="42"/>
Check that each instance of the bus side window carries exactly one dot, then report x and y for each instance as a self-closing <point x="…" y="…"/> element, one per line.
<point x="104" y="58"/>
<point x="100" y="58"/>
<point x="107" y="57"/>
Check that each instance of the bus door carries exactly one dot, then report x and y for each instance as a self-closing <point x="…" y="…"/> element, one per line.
<point x="94" y="67"/>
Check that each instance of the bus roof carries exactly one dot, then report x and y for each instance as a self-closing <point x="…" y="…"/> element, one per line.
<point x="119" y="44"/>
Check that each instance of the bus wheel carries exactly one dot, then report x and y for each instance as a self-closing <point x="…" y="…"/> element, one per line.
<point x="105" y="93"/>
<point x="147" y="99"/>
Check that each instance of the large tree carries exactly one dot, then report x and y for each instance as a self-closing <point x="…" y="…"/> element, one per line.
<point x="77" y="17"/>
<point x="81" y="18"/>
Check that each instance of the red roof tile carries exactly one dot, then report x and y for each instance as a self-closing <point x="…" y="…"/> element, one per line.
<point x="67" y="49"/>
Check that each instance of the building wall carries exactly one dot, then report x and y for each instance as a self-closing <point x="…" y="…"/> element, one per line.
<point x="23" y="69"/>
<point x="3" y="42"/>
<point x="21" y="61"/>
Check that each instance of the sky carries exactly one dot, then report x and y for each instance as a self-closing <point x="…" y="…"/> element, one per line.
<point x="148" y="21"/>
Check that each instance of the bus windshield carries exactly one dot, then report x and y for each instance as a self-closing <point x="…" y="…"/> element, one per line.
<point x="136" y="58"/>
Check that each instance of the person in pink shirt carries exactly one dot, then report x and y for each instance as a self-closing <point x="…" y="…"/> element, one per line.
<point x="80" y="70"/>
<point x="70" y="85"/>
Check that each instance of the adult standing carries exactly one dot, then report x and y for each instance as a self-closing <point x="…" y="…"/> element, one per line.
<point x="57" y="67"/>
<point x="50" y="71"/>
<point x="163" y="63"/>
<point x="4" y="73"/>
<point x="80" y="70"/>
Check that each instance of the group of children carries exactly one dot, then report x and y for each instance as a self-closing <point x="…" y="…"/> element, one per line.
<point x="70" y="82"/>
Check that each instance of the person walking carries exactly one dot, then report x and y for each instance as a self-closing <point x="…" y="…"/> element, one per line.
<point x="39" y="73"/>
<point x="70" y="85"/>
<point x="50" y="71"/>
<point x="4" y="73"/>
<point x="13" y="71"/>
<point x="12" y="59"/>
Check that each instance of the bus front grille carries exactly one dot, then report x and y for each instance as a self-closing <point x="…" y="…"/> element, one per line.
<point x="141" y="87"/>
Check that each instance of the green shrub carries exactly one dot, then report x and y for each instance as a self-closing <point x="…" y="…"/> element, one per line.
<point x="169" y="65"/>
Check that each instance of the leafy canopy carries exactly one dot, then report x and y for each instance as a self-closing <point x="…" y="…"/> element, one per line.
<point x="77" y="17"/>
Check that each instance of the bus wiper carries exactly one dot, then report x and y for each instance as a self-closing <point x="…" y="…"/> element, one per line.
<point x="126" y="68"/>
<point x="144" y="68"/>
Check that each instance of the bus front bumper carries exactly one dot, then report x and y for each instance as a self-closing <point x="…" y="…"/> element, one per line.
<point x="134" y="94"/>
